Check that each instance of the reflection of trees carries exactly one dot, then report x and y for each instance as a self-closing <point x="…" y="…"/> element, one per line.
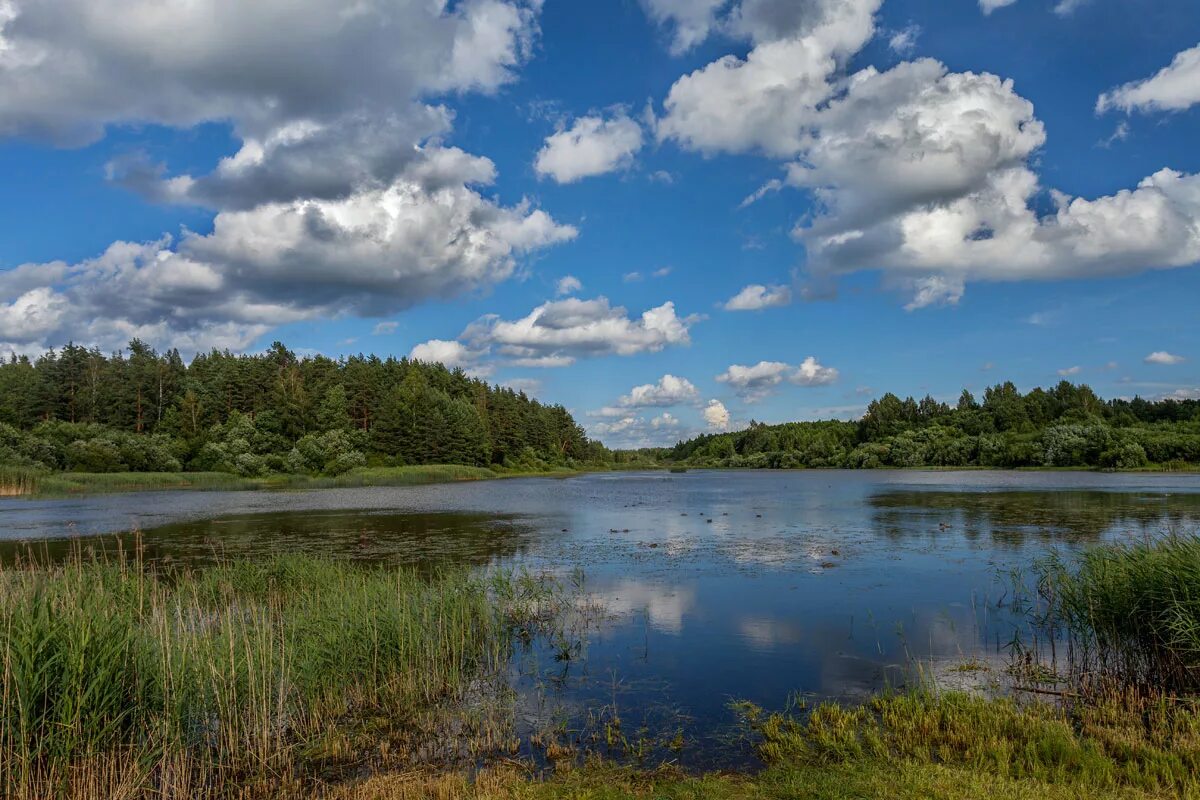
<point x="1012" y="517"/>
<point x="431" y="539"/>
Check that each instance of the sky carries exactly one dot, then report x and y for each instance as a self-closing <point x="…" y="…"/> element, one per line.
<point x="671" y="216"/>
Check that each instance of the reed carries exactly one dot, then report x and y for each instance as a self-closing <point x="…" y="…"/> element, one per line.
<point x="1126" y="615"/>
<point x="118" y="679"/>
<point x="17" y="481"/>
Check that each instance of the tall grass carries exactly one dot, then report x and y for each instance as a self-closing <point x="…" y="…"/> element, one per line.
<point x="15" y="481"/>
<point x="120" y="680"/>
<point x="1128" y="614"/>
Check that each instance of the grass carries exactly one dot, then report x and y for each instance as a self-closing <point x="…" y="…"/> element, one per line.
<point x="120" y="680"/>
<point x="16" y="481"/>
<point x="1127" y="615"/>
<point x="311" y="678"/>
<point x="900" y="747"/>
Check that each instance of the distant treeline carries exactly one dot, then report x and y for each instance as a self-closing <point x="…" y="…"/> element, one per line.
<point x="79" y="409"/>
<point x="1067" y="426"/>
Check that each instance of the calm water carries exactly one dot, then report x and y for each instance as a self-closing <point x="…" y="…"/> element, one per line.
<point x="717" y="585"/>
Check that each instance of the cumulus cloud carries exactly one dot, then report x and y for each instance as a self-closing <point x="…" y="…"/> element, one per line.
<point x="670" y="390"/>
<point x="753" y="383"/>
<point x="688" y="20"/>
<point x="567" y="284"/>
<point x="1173" y="88"/>
<point x="69" y="69"/>
<point x="766" y="101"/>
<point x="369" y="254"/>
<point x="440" y="351"/>
<point x="341" y="198"/>
<point x="557" y="333"/>
<point x="1069" y="371"/>
<point x="917" y="172"/>
<point x="756" y="296"/>
<point x="591" y="146"/>
<point x="1165" y="358"/>
<point x="632" y="431"/>
<point x="716" y="416"/>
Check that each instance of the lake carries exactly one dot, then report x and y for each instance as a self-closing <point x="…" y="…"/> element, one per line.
<point x="706" y="586"/>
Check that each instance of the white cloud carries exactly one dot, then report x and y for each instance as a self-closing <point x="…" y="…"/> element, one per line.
<point x="1157" y="357"/>
<point x="372" y="253"/>
<point x="766" y="101"/>
<point x="1069" y="371"/>
<point x="934" y="290"/>
<point x="556" y="333"/>
<point x="670" y="390"/>
<point x="988" y="6"/>
<point x="1173" y="88"/>
<point x="903" y="42"/>
<point x="68" y="69"/>
<point x="913" y="135"/>
<point x="810" y="373"/>
<point x="632" y="277"/>
<point x="385" y="328"/>
<point x="661" y="272"/>
<point x="689" y="20"/>
<point x="529" y="386"/>
<point x="340" y="199"/>
<point x="756" y="296"/>
<point x="631" y="431"/>
<point x="441" y="351"/>
<point x="716" y="416"/>
<point x="922" y="174"/>
<point x="591" y="146"/>
<point x="568" y="284"/>
<point x="1068" y="7"/>
<point x="753" y="383"/>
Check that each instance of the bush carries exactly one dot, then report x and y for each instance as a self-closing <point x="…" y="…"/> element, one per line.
<point x="1129" y="455"/>
<point x="96" y="455"/>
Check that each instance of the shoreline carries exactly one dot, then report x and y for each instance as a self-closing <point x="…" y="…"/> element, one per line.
<point x="69" y="484"/>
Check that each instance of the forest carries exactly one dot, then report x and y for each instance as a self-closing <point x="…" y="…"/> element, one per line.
<point x="79" y="410"/>
<point x="1066" y="426"/>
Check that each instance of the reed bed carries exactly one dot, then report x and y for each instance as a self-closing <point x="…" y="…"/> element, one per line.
<point x="1125" y="616"/>
<point x="122" y="680"/>
<point x="17" y="481"/>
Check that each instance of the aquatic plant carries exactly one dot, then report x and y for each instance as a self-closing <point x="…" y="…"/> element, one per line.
<point x="1128" y="614"/>
<point x="139" y="681"/>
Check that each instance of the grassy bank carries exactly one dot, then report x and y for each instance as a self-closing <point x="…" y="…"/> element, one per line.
<point x="909" y="747"/>
<point x="245" y="680"/>
<point x="16" y="482"/>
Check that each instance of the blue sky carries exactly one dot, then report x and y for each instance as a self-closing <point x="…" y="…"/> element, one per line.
<point x="906" y="195"/>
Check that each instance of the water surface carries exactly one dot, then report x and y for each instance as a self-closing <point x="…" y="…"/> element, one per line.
<point x="716" y="586"/>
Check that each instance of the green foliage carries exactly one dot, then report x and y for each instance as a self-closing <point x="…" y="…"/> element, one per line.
<point x="256" y="415"/>
<point x="1067" y="426"/>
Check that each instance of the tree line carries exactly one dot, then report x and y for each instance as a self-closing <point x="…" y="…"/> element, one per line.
<point x="1065" y="426"/>
<point x="79" y="409"/>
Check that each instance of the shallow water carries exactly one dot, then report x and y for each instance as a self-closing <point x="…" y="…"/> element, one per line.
<point x="716" y="586"/>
